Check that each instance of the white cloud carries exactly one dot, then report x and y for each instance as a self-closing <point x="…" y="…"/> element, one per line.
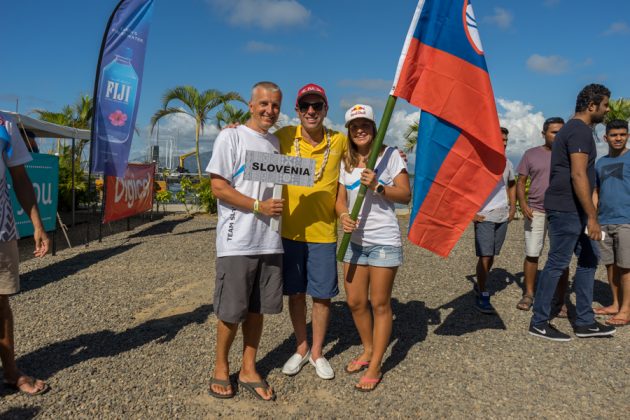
<point x="398" y="125"/>
<point x="180" y="130"/>
<point x="617" y="28"/>
<point x="552" y="64"/>
<point x="524" y="124"/>
<point x="501" y="18"/>
<point x="284" y="120"/>
<point x="260" y="47"/>
<point x="266" y="14"/>
<point x="367" y="84"/>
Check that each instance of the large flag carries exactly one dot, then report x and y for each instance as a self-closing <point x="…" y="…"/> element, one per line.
<point x="117" y="85"/>
<point x="459" y="155"/>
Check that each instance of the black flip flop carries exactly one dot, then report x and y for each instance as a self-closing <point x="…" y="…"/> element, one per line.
<point x="252" y="386"/>
<point x="16" y="387"/>
<point x="223" y="382"/>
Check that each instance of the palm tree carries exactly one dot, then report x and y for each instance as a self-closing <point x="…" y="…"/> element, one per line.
<point x="196" y="105"/>
<point x="230" y="115"/>
<point x="411" y="137"/>
<point x="619" y="110"/>
<point x="78" y="115"/>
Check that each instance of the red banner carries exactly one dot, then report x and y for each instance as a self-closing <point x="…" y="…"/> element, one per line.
<point x="130" y="195"/>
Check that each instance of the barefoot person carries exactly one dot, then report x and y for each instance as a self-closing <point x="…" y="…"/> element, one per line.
<point x="249" y="253"/>
<point x="375" y="250"/>
<point x="613" y="188"/>
<point x="14" y="156"/>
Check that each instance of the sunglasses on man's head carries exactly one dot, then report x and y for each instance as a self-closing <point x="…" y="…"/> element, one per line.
<point x="304" y="106"/>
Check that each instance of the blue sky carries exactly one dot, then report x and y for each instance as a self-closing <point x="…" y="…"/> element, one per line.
<point x="540" y="53"/>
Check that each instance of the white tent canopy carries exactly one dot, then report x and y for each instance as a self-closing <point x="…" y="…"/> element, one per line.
<point x="48" y="130"/>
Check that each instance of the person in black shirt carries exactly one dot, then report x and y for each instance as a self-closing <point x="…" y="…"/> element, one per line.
<point x="572" y="218"/>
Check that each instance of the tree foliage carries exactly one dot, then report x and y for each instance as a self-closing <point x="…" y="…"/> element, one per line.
<point x="619" y="110"/>
<point x="198" y="105"/>
<point x="411" y="137"/>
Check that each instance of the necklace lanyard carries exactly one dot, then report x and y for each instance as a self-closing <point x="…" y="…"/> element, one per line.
<point x="319" y="173"/>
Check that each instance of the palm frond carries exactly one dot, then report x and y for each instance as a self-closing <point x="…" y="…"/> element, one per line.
<point x="411" y="137"/>
<point x="161" y="113"/>
<point x="619" y="109"/>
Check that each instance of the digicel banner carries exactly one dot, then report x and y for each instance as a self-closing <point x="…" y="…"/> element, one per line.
<point x="130" y="195"/>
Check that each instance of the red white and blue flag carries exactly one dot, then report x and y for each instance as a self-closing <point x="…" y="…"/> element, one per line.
<point x="459" y="154"/>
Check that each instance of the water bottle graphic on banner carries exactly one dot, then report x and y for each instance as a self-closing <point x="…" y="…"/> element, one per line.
<point x="119" y="86"/>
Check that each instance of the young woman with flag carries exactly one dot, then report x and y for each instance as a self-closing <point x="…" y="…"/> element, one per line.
<point x="375" y="250"/>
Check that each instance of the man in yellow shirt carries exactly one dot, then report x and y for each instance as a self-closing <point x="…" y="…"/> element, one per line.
<point x="309" y="228"/>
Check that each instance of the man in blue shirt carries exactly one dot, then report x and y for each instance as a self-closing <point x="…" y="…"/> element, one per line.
<point x="613" y="189"/>
<point x="572" y="218"/>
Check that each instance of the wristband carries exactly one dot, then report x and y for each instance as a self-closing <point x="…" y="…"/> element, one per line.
<point x="343" y="214"/>
<point x="256" y="206"/>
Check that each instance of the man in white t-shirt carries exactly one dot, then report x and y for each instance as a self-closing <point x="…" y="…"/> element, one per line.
<point x="14" y="156"/>
<point x="249" y="253"/>
<point x="491" y="223"/>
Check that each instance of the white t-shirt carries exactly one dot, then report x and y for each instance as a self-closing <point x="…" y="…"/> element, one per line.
<point x="496" y="208"/>
<point x="19" y="156"/>
<point x="241" y="232"/>
<point x="378" y="224"/>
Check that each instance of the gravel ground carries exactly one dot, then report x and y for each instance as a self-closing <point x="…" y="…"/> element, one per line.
<point x="125" y="329"/>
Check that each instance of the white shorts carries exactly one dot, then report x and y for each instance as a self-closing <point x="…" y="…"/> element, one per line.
<point x="535" y="232"/>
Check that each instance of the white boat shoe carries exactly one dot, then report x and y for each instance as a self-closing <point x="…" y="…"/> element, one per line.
<point x="322" y="368"/>
<point x="295" y="363"/>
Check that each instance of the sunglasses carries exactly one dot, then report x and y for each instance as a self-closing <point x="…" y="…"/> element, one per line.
<point x="304" y="106"/>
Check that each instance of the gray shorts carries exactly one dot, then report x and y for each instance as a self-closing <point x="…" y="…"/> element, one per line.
<point x="615" y="249"/>
<point x="9" y="272"/>
<point x="247" y="284"/>
<point x="489" y="237"/>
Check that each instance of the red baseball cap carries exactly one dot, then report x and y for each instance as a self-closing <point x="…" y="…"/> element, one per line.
<point x="311" y="89"/>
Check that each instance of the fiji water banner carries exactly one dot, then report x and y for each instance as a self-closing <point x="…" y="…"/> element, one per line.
<point x="117" y="85"/>
<point x="131" y="194"/>
<point x="43" y="171"/>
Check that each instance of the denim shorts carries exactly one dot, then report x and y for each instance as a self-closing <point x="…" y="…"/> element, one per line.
<point x="310" y="268"/>
<point x="489" y="238"/>
<point x="374" y="255"/>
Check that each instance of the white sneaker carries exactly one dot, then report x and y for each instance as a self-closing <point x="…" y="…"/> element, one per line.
<point x="322" y="368"/>
<point x="295" y="363"/>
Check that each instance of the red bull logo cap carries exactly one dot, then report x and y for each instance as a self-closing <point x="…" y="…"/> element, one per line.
<point x="360" y="111"/>
<point x="311" y="89"/>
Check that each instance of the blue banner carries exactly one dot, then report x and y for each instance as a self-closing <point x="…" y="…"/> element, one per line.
<point x="43" y="171"/>
<point x="117" y="86"/>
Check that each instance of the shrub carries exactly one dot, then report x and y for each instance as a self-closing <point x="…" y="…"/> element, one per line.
<point x="207" y="200"/>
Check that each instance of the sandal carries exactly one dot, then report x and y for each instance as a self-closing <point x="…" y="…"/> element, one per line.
<point x="526" y="302"/>
<point x="25" y="379"/>
<point x="224" y="383"/>
<point x="365" y="380"/>
<point x="362" y="366"/>
<point x="252" y="386"/>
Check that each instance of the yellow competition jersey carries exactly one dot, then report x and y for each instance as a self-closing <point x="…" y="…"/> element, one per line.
<point x="309" y="212"/>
